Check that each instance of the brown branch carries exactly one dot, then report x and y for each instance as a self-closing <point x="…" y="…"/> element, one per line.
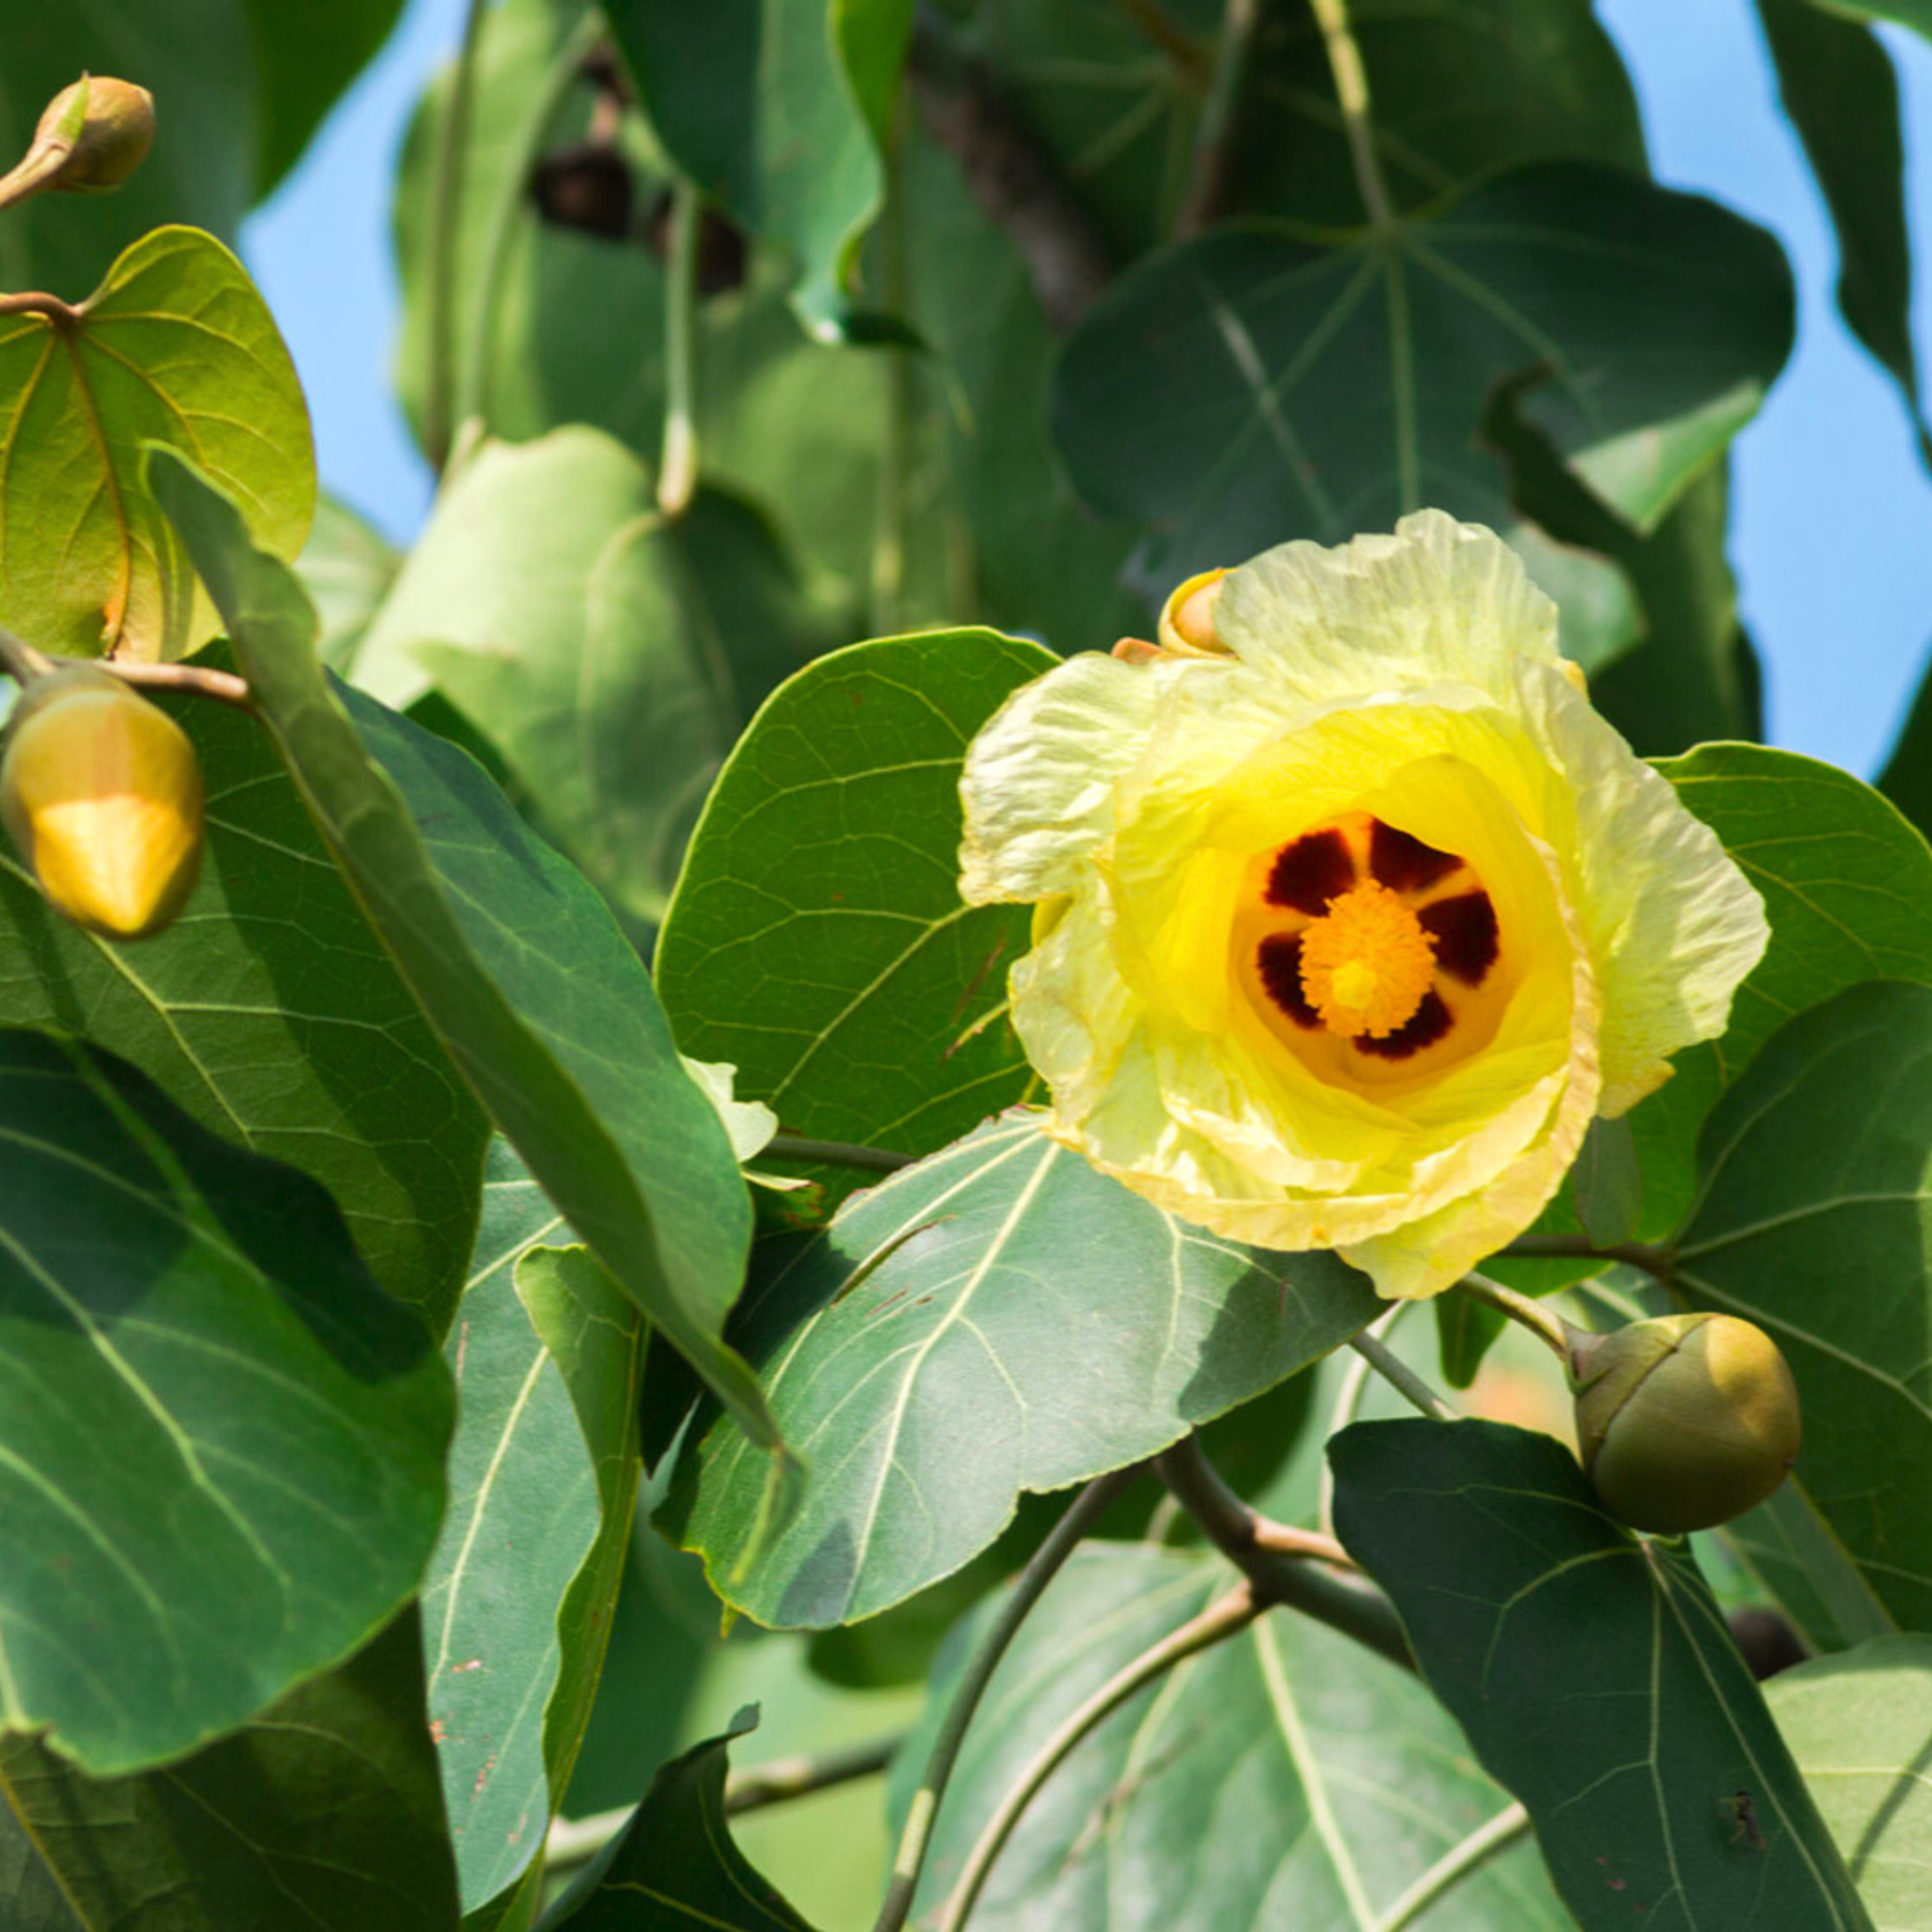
<point x="1008" y="171"/>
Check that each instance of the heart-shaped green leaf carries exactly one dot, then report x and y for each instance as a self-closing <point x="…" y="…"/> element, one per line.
<point x="1596" y="1680"/>
<point x="176" y="346"/>
<point x="999" y="1318"/>
<point x="221" y="1444"/>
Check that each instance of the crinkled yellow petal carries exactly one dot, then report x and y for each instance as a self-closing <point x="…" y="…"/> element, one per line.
<point x="1439" y="602"/>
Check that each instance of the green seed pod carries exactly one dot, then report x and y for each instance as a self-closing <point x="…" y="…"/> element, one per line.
<point x="1685" y="1421"/>
<point x="101" y="792"/>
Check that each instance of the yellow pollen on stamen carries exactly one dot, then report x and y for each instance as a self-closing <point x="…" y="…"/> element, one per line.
<point x="1366" y="963"/>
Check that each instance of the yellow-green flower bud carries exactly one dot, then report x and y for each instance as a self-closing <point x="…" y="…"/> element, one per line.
<point x="1685" y="1421"/>
<point x="102" y="128"/>
<point x="102" y="794"/>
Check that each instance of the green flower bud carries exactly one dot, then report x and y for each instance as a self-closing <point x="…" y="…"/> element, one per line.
<point x="101" y="791"/>
<point x="1685" y="1421"/>
<point x="105" y="127"/>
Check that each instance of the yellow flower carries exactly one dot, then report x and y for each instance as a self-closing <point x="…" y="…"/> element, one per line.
<point x="1352" y="913"/>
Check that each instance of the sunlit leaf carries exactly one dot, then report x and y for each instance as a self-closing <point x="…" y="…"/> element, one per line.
<point x="270" y="1011"/>
<point x="176" y="347"/>
<point x="546" y="1010"/>
<point x="1860" y="1726"/>
<point x="817" y="940"/>
<point x="1816" y="1198"/>
<point x="1595" y="1678"/>
<point x="1338" y="1777"/>
<point x="221" y="1445"/>
<point x="323" y="1813"/>
<point x="1000" y="1318"/>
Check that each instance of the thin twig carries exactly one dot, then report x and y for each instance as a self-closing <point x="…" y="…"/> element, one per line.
<point x="1400" y="1377"/>
<point x="191" y="680"/>
<point x="1348" y="1394"/>
<point x="576" y="1841"/>
<point x="37" y="301"/>
<point x="1224" y="1618"/>
<point x="836" y="1154"/>
<point x="1351" y="92"/>
<point x="677" y="468"/>
<point x="1454" y="1865"/>
<point x="1548" y="1328"/>
<point x="445" y="214"/>
<point x="1214" y="137"/>
<point x="20" y="661"/>
<point x="1653" y="1262"/>
<point x="1028" y="1589"/>
<point x="1329" y="1591"/>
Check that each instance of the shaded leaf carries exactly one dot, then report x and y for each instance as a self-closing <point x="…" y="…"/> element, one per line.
<point x="523" y="1513"/>
<point x="223" y="1444"/>
<point x="543" y="1007"/>
<point x="305" y="57"/>
<point x="1595" y="1677"/>
<point x="1606" y="1183"/>
<point x="176" y="346"/>
<point x="1247" y="385"/>
<point x="1847" y="883"/>
<point x="270" y="1011"/>
<point x="777" y="109"/>
<point x="611" y="654"/>
<point x="1906" y="779"/>
<point x="817" y="939"/>
<point x="1284" y="1776"/>
<point x="1836" y="82"/>
<point x="1789" y="1548"/>
<point x="674" y="1865"/>
<point x="1001" y="1297"/>
<point x="1816" y="1196"/>
<point x="1860" y="1726"/>
<point x="325" y="1812"/>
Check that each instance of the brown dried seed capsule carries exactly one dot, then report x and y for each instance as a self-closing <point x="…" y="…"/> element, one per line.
<point x="1685" y="1421"/>
<point x="101" y="792"/>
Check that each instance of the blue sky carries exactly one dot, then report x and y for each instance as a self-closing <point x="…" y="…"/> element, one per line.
<point x="1831" y="528"/>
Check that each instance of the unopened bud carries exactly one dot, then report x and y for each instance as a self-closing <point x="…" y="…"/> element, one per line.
<point x="101" y="792"/>
<point x="1187" y="617"/>
<point x="1685" y="1421"/>
<point x="95" y="133"/>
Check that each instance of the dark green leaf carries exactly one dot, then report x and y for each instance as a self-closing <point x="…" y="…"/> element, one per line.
<point x="1607" y="1184"/>
<point x="999" y="1318"/>
<point x="1836" y="81"/>
<point x="611" y="654"/>
<point x="270" y="1011"/>
<point x="222" y="1443"/>
<point x="1906" y="779"/>
<point x="1789" y="1548"/>
<point x="1595" y="1678"/>
<point x="1456" y="94"/>
<point x="1848" y="886"/>
<point x="176" y="347"/>
<point x="776" y="109"/>
<point x="532" y="988"/>
<point x="1285" y="1776"/>
<point x="305" y="57"/>
<point x="674" y="1865"/>
<point x="324" y="1813"/>
<point x="1812" y="1220"/>
<point x="1860" y="1726"/>
<point x="523" y="1513"/>
<point x="1247" y="385"/>
<point x="817" y="941"/>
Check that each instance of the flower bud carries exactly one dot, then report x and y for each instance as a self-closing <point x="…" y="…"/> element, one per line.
<point x="1187" y="618"/>
<point x="102" y="129"/>
<point x="102" y="794"/>
<point x="1684" y="1421"/>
